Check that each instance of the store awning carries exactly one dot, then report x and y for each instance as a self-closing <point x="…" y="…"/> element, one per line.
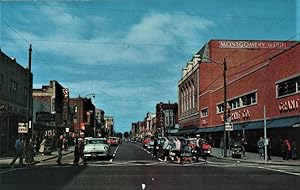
<point x="272" y="123"/>
<point x="186" y="131"/>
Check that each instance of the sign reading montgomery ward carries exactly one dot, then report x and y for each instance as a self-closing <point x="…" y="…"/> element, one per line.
<point x="252" y="44"/>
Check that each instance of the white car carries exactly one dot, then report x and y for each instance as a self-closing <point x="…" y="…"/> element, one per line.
<point x="96" y="147"/>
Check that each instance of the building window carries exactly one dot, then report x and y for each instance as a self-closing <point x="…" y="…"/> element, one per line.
<point x="13" y="88"/>
<point x="220" y="108"/>
<point x="239" y="102"/>
<point x="248" y="99"/>
<point x="204" y="112"/>
<point x="288" y="87"/>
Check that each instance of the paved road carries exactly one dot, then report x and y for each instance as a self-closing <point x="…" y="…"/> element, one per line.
<point x="132" y="166"/>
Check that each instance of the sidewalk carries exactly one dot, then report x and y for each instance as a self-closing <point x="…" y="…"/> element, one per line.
<point x="255" y="158"/>
<point x="5" y="161"/>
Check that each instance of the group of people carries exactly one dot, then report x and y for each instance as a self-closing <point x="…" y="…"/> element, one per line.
<point x="24" y="148"/>
<point x="178" y="147"/>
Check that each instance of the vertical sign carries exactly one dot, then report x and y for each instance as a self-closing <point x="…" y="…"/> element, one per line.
<point x="53" y="104"/>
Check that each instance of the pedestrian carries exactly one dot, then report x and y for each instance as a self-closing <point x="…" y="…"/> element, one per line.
<point x="286" y="149"/>
<point x="29" y="153"/>
<point x="222" y="146"/>
<point x="76" y="153"/>
<point x="155" y="147"/>
<point x="198" y="147"/>
<point x="177" y="149"/>
<point x="42" y="146"/>
<point x="167" y="148"/>
<point x="19" y="152"/>
<point x="81" y="150"/>
<point x="260" y="146"/>
<point x="204" y="146"/>
<point x="294" y="150"/>
<point x="59" y="146"/>
<point x="243" y="145"/>
<point x="65" y="144"/>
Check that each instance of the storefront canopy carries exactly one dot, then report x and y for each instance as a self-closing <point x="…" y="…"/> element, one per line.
<point x="186" y="131"/>
<point x="272" y="123"/>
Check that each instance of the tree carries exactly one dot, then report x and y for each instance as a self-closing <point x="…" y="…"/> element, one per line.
<point x="126" y="135"/>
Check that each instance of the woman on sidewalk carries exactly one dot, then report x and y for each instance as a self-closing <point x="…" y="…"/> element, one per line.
<point x="29" y="153"/>
<point x="42" y="146"/>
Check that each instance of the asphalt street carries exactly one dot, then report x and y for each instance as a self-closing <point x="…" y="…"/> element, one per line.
<point x="132" y="167"/>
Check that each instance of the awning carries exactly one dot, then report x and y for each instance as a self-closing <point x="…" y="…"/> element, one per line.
<point x="284" y="122"/>
<point x="272" y="123"/>
<point x="186" y="131"/>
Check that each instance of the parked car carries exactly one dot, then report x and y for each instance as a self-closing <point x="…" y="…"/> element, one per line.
<point x="206" y="148"/>
<point x="96" y="147"/>
<point x="146" y="142"/>
<point x="112" y="141"/>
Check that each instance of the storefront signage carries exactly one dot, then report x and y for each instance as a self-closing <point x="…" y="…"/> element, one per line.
<point x="22" y="128"/>
<point x="238" y="115"/>
<point x="289" y="105"/>
<point x="45" y="116"/>
<point x="252" y="44"/>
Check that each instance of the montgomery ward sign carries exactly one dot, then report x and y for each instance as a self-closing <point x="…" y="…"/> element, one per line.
<point x="290" y="105"/>
<point x="252" y="44"/>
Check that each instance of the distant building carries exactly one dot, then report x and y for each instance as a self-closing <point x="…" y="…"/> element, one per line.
<point x="100" y="122"/>
<point x="109" y="125"/>
<point x="57" y="97"/>
<point x="84" y="120"/>
<point x="15" y="100"/>
<point x="166" y="117"/>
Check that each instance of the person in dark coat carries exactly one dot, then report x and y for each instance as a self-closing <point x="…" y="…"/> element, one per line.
<point x="19" y="152"/>
<point x="30" y="153"/>
<point x="80" y="150"/>
<point x="154" y="147"/>
<point x="59" y="146"/>
<point x="76" y="153"/>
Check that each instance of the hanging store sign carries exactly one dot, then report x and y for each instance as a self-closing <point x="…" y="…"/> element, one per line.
<point x="252" y="44"/>
<point x="228" y="126"/>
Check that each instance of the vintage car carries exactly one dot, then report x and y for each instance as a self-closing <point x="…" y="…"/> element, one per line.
<point x="96" y="147"/>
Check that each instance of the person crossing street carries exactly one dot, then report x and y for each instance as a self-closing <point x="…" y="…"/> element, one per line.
<point x="59" y="146"/>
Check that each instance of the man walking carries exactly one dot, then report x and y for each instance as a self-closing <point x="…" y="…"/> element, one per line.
<point x="59" y="146"/>
<point x="19" y="151"/>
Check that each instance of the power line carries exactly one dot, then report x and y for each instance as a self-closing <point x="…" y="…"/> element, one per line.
<point x="34" y="49"/>
<point x="279" y="44"/>
<point x="294" y="44"/>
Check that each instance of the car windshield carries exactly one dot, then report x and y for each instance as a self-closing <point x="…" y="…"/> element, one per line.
<point x="98" y="141"/>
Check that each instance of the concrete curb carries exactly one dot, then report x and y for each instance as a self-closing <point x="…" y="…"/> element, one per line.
<point x="257" y="162"/>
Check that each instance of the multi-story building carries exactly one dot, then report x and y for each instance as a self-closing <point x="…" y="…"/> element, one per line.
<point x="259" y="73"/>
<point x="109" y="125"/>
<point x="100" y="122"/>
<point x="57" y="97"/>
<point x="150" y="125"/>
<point x="134" y="129"/>
<point x="15" y="100"/>
<point x="166" y="117"/>
<point x="84" y="123"/>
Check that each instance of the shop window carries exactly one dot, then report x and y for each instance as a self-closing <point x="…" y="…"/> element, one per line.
<point x="288" y="87"/>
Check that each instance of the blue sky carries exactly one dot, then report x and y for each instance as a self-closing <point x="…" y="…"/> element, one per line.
<point x="130" y="52"/>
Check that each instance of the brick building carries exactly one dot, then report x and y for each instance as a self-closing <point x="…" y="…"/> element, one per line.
<point x="57" y="97"/>
<point x="166" y="117"/>
<point x="259" y="73"/>
<point x="15" y="100"/>
<point x="84" y="121"/>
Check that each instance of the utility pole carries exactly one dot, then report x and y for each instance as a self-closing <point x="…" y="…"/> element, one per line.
<point x="29" y="93"/>
<point x="225" y="109"/>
